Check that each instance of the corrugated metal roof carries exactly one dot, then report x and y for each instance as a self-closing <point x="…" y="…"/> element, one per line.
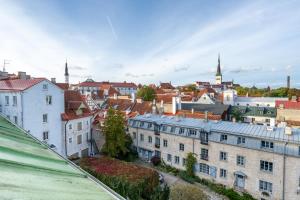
<point x="252" y="130"/>
<point x="30" y="170"/>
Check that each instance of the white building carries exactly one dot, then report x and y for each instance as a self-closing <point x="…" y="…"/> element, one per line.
<point x="230" y="98"/>
<point x="36" y="105"/>
<point x="257" y="159"/>
<point x="76" y="124"/>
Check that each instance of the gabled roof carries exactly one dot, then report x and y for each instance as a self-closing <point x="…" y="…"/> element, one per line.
<point x="19" y="84"/>
<point x="73" y="102"/>
<point x="31" y="170"/>
<point x="166" y="86"/>
<point x="288" y="104"/>
<point x="63" y="86"/>
<point x="123" y="84"/>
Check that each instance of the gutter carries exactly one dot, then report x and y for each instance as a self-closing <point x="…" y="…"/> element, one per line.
<point x="283" y="173"/>
<point x="66" y="151"/>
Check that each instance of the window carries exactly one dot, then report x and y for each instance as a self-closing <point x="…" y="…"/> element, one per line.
<point x="45" y="87"/>
<point x="15" y="119"/>
<point x="45" y="135"/>
<point x="267" y="145"/>
<point x="192" y="132"/>
<point x="45" y="118"/>
<point x="8" y="117"/>
<point x="79" y="139"/>
<point x="70" y="140"/>
<point x="265" y="186"/>
<point x="183" y="161"/>
<point x="177" y="159"/>
<point x="240" y="160"/>
<point x="172" y="129"/>
<point x="165" y="143"/>
<point x="142" y="137"/>
<point x="134" y="135"/>
<point x="181" y="147"/>
<point x="266" y="166"/>
<point x="204" y="137"/>
<point x="268" y="120"/>
<point x="181" y="131"/>
<point x="204" y="154"/>
<point x="149" y="125"/>
<point x="164" y="128"/>
<point x="79" y="126"/>
<point x="204" y="168"/>
<point x="241" y="140"/>
<point x="169" y="158"/>
<point x="14" y="100"/>
<point x="223" y="137"/>
<point x="6" y="100"/>
<point x="149" y="139"/>
<point x="223" y="155"/>
<point x="70" y="126"/>
<point x="48" y="100"/>
<point x="223" y="173"/>
<point x="141" y="124"/>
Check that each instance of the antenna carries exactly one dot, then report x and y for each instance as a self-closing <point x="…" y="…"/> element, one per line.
<point x="5" y="62"/>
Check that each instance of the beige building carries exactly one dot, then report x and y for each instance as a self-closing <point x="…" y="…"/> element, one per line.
<point x="260" y="160"/>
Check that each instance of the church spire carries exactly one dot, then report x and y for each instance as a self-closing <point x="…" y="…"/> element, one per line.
<point x="66" y="73"/>
<point x="219" y="67"/>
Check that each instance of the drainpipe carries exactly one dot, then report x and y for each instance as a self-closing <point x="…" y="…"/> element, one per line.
<point x="283" y="181"/>
<point x="66" y="151"/>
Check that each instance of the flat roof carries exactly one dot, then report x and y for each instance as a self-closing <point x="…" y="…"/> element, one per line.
<point x="30" y="170"/>
<point x="251" y="130"/>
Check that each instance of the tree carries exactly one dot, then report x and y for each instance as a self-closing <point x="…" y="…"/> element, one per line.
<point x="116" y="141"/>
<point x="190" y="162"/>
<point x="190" y="192"/>
<point x="146" y="93"/>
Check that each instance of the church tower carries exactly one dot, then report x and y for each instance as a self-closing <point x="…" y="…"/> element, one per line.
<point x="219" y="74"/>
<point x="66" y="73"/>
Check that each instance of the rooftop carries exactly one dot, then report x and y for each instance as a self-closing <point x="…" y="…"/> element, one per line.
<point x="217" y="109"/>
<point x="19" y="84"/>
<point x="260" y="99"/>
<point x="244" y="129"/>
<point x="30" y="170"/>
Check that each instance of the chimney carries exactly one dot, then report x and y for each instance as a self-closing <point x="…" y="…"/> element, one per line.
<point x="288" y="80"/>
<point x="115" y="96"/>
<point x="206" y="116"/>
<point x="22" y="75"/>
<point x="174" y="105"/>
<point x="192" y="111"/>
<point x="288" y="130"/>
<point x="133" y="97"/>
<point x="154" y="107"/>
<point x="53" y="80"/>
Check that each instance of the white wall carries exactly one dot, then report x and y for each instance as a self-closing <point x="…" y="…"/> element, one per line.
<point x="10" y="109"/>
<point x="73" y="133"/>
<point x="34" y="106"/>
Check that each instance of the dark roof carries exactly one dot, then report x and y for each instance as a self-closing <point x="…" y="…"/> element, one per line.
<point x="217" y="109"/>
<point x="254" y="111"/>
<point x="166" y="86"/>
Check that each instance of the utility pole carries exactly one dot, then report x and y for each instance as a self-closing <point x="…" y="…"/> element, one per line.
<point x="5" y="62"/>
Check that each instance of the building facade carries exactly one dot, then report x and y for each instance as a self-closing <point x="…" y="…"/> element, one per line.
<point x="253" y="158"/>
<point x="36" y="105"/>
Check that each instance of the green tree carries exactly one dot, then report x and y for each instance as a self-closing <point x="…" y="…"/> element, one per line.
<point x="190" y="192"/>
<point x="190" y="162"/>
<point x="116" y="141"/>
<point x="146" y="93"/>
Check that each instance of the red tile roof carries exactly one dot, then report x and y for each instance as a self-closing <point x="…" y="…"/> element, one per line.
<point x="288" y="104"/>
<point x="90" y="84"/>
<point x="19" y="84"/>
<point x="167" y="98"/>
<point x="123" y="84"/>
<point x="166" y="86"/>
<point x="64" y="86"/>
<point x="73" y="101"/>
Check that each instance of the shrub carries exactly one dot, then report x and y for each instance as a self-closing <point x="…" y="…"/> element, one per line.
<point x="127" y="179"/>
<point x="183" y="175"/>
<point x="155" y="160"/>
<point x="190" y="163"/>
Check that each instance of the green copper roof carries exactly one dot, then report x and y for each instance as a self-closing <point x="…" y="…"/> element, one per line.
<point x="30" y="170"/>
<point x="254" y="111"/>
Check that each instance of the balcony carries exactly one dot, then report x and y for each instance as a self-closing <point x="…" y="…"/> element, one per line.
<point x="156" y="133"/>
<point x="157" y="146"/>
<point x="204" y="157"/>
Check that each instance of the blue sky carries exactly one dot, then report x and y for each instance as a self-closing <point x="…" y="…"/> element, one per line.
<point x="147" y="41"/>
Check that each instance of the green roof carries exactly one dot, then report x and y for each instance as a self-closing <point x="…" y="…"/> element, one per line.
<point x="30" y="170"/>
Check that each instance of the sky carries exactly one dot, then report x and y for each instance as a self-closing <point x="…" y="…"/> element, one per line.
<point x="148" y="41"/>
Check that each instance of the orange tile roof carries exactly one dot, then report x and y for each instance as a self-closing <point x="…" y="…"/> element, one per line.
<point x="64" y="86"/>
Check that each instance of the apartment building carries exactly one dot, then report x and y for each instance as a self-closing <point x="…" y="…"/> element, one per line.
<point x="35" y="104"/>
<point x="288" y="112"/>
<point x="77" y="124"/>
<point x="261" y="160"/>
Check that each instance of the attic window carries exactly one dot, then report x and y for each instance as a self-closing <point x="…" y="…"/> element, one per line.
<point x="45" y="86"/>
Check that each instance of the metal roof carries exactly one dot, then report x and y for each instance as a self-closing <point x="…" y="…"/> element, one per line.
<point x="30" y="170"/>
<point x="260" y="99"/>
<point x="251" y="130"/>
